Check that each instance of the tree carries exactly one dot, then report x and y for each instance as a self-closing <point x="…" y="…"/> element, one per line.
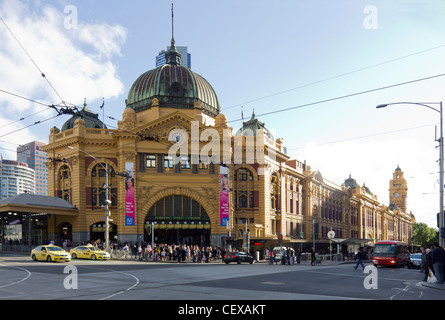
<point x="423" y="235"/>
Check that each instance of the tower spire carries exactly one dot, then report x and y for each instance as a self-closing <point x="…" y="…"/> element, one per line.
<point x="173" y="28"/>
<point x="172" y="56"/>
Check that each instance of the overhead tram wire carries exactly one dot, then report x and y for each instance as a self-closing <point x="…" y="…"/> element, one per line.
<point x="362" y="137"/>
<point x="66" y="110"/>
<point x="341" y="97"/>
<point x="335" y="77"/>
<point x="32" y="60"/>
<point x="31" y="125"/>
<point x="345" y="96"/>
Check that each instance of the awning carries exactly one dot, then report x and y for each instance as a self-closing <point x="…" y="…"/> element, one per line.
<point x="30" y="203"/>
<point x="355" y="240"/>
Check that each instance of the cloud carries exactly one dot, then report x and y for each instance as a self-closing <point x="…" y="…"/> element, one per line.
<point x="373" y="161"/>
<point x="78" y="63"/>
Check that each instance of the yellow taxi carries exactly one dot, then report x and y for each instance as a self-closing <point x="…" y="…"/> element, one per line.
<point x="50" y="253"/>
<point x="89" y="252"/>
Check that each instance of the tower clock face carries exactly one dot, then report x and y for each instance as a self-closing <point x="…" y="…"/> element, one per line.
<point x="396" y="195"/>
<point x="176" y="136"/>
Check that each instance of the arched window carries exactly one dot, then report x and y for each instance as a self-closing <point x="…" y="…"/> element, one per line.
<point x="63" y="189"/>
<point x="274" y="194"/>
<point x="244" y="189"/>
<point x="98" y="185"/>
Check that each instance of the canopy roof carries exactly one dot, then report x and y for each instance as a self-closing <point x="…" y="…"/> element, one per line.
<point x="31" y="203"/>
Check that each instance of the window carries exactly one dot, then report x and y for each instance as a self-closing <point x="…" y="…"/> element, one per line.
<point x="203" y="164"/>
<point x="243" y="175"/>
<point x="185" y="162"/>
<point x="274" y="192"/>
<point x="64" y="183"/>
<point x="150" y="161"/>
<point x="242" y="200"/>
<point x="98" y="186"/>
<point x="168" y="162"/>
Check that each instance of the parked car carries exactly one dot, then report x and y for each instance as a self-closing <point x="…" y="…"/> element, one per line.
<point x="238" y="257"/>
<point x="89" y="252"/>
<point x="50" y="253"/>
<point x="414" y="261"/>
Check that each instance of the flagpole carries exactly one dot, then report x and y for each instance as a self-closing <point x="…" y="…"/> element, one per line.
<point x="103" y="113"/>
<point x="242" y="120"/>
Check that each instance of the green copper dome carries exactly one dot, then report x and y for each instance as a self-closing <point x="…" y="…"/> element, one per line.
<point x="251" y="127"/>
<point x="174" y="86"/>
<point x="91" y="120"/>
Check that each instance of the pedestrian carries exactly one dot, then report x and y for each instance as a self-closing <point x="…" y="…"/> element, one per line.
<point x="422" y="264"/>
<point x="438" y="257"/>
<point x="298" y="256"/>
<point x="428" y="264"/>
<point x="360" y="257"/>
<point x="313" y="257"/>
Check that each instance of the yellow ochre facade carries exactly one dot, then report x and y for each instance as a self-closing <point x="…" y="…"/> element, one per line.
<point x="172" y="145"/>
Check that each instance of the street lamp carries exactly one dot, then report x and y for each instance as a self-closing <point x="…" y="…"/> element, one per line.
<point x="441" y="160"/>
<point x="107" y="201"/>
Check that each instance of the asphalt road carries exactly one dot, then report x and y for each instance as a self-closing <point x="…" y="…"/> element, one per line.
<point x="23" y="279"/>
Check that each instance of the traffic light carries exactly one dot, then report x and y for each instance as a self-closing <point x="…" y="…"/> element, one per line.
<point x="442" y="232"/>
<point x="280" y="238"/>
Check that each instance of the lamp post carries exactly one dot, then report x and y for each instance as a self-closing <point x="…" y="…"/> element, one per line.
<point x="107" y="201"/>
<point x="441" y="160"/>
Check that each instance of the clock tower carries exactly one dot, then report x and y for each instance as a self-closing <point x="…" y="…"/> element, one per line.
<point x="398" y="190"/>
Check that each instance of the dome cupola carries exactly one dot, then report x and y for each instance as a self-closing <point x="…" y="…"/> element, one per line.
<point x="174" y="86"/>
<point x="91" y="119"/>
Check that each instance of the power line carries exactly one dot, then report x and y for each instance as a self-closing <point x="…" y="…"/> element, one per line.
<point x="31" y="125"/>
<point x="363" y="137"/>
<point x="32" y="60"/>
<point x="334" y="77"/>
<point x="346" y="96"/>
<point x="22" y="97"/>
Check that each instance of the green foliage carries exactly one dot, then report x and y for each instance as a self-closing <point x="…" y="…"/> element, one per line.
<point x="424" y="235"/>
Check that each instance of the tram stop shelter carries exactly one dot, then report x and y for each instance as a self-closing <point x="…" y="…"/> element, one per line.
<point x="24" y="219"/>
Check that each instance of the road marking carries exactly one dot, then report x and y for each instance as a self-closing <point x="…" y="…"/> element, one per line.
<point x="17" y="282"/>
<point x="120" y="292"/>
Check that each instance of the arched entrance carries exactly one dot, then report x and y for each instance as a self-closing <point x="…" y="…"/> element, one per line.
<point x="97" y="231"/>
<point x="177" y="219"/>
<point x="65" y="233"/>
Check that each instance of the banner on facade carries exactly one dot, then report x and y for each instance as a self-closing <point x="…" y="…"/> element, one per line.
<point x="224" y="196"/>
<point x="129" y="195"/>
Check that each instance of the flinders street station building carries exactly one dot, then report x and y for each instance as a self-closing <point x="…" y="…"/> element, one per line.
<point x="175" y="172"/>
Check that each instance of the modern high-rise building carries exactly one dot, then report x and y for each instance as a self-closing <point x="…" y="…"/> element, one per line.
<point x="16" y="178"/>
<point x="186" y="58"/>
<point x="33" y="155"/>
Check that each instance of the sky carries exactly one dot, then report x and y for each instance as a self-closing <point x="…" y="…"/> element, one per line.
<point x="312" y="70"/>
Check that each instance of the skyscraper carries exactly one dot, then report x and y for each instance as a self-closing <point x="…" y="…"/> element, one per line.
<point x="16" y="178"/>
<point x="186" y="58"/>
<point x="32" y="154"/>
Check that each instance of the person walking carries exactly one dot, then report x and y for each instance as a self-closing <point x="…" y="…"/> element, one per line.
<point x="360" y="257"/>
<point x="428" y="264"/>
<point x="313" y="259"/>
<point x="423" y="263"/>
<point x="438" y="258"/>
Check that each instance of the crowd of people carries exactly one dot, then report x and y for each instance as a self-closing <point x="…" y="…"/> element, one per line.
<point x="169" y="252"/>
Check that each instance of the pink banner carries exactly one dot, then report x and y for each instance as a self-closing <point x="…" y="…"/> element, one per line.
<point x="224" y="196"/>
<point x="129" y="195"/>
